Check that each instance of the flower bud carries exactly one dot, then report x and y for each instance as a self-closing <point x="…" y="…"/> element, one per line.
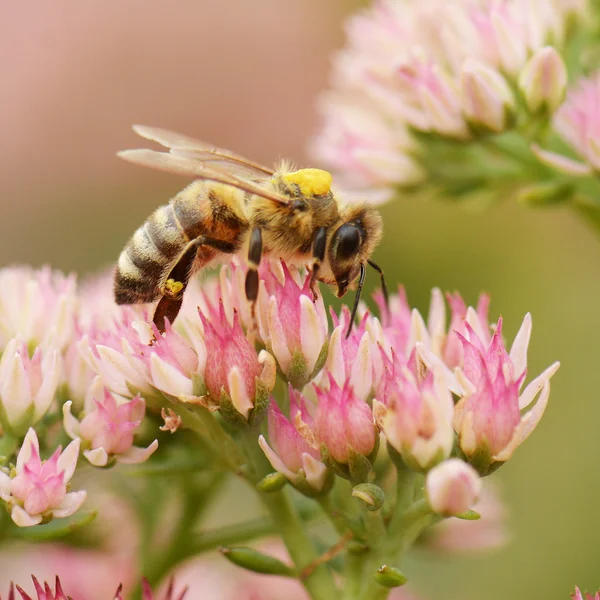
<point x="27" y="385"/>
<point x="390" y="577"/>
<point x="371" y="495"/>
<point x="543" y="81"/>
<point x="452" y="487"/>
<point x="487" y="100"/>
<point x="256" y="561"/>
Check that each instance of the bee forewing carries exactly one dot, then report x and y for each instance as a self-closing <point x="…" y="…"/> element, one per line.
<point x="180" y="165"/>
<point x="186" y="146"/>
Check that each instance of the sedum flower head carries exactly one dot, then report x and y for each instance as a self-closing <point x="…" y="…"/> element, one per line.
<point x="35" y="491"/>
<point x="448" y="70"/>
<point x="107" y="428"/>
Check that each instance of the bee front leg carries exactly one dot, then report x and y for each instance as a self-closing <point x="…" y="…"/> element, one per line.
<point x="255" y="248"/>
<point x="319" y="246"/>
<point x="174" y="287"/>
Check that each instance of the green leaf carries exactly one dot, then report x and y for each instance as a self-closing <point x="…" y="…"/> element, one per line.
<point x="57" y="528"/>
<point x="252" y="560"/>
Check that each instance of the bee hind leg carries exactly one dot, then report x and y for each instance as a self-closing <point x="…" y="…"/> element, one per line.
<point x="319" y="246"/>
<point x="174" y="287"/>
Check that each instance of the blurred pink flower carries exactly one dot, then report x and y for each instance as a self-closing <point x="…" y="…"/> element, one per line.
<point x="488" y="416"/>
<point x="445" y="69"/>
<point x="43" y="593"/>
<point x="577" y="595"/>
<point x="452" y="487"/>
<point x="578" y="122"/>
<point x="107" y="429"/>
<point x="27" y="385"/>
<point x="36" y="305"/>
<point x="147" y="594"/>
<point x="36" y="491"/>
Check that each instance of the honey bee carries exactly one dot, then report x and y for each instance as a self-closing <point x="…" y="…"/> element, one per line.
<point x="236" y="205"/>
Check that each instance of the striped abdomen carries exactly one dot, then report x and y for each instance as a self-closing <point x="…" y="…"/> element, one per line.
<point x="155" y="247"/>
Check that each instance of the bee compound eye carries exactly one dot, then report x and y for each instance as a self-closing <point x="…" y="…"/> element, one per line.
<point x="348" y="241"/>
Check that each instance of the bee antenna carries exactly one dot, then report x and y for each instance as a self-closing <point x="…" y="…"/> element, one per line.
<point x="384" y="289"/>
<point x="361" y="281"/>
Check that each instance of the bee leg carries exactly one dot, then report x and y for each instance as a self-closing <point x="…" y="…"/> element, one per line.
<point x="172" y="293"/>
<point x="255" y="248"/>
<point x="319" y="244"/>
<point x="384" y="288"/>
<point x="361" y="281"/>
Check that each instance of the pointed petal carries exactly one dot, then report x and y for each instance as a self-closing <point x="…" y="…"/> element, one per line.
<point x="275" y="461"/>
<point x="70" y="504"/>
<point x="68" y="460"/>
<point x="238" y="393"/>
<point x="277" y="337"/>
<point x="169" y="379"/>
<point x="436" y="321"/>
<point x="561" y="163"/>
<point x="136" y="455"/>
<point x="29" y="444"/>
<point x="531" y="391"/>
<point x="314" y="470"/>
<point x="312" y="333"/>
<point x="518" y="351"/>
<point x="23" y="519"/>
<point x="97" y="457"/>
<point x="70" y="423"/>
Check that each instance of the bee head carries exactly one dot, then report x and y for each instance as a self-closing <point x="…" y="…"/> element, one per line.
<point x="352" y="244"/>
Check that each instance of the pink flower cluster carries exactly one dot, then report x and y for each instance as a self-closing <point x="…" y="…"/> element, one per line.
<point x="454" y="70"/>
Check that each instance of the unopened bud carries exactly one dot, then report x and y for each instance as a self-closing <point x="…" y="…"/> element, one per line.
<point x="487" y="101"/>
<point x="390" y="577"/>
<point x="252" y="560"/>
<point x="452" y="487"/>
<point x="543" y="81"/>
<point x="371" y="495"/>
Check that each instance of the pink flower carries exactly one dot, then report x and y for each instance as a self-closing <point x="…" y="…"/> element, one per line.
<point x="544" y="80"/>
<point x="452" y="487"/>
<point x="107" y="429"/>
<point x="235" y="373"/>
<point x="396" y="321"/>
<point x="416" y="417"/>
<point x="288" y="452"/>
<point x="43" y="593"/>
<point x="577" y="595"/>
<point x="36" y="491"/>
<point x="343" y="423"/>
<point x="293" y="326"/>
<point x="38" y="306"/>
<point x="27" y="385"/>
<point x="147" y="594"/>
<point x="488" y="417"/>
<point x="578" y="123"/>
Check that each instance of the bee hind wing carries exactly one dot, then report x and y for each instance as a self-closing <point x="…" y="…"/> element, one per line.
<point x="181" y="165"/>
<point x="187" y="146"/>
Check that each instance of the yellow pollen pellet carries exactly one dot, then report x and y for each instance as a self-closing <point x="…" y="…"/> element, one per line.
<point x="173" y="287"/>
<point x="312" y="182"/>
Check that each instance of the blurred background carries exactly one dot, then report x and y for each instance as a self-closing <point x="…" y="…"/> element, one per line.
<point x="75" y="76"/>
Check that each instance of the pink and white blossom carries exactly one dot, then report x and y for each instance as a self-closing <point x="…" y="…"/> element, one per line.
<point x="36" y="490"/>
<point x="288" y="452"/>
<point x="577" y="595"/>
<point x="488" y="417"/>
<point x="27" y="385"/>
<point x="543" y="81"/>
<point x="107" y="427"/>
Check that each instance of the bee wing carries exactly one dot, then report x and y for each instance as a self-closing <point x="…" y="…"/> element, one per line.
<point x="188" y="147"/>
<point x="182" y="165"/>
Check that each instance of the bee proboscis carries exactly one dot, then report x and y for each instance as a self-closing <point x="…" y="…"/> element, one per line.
<point x="235" y="205"/>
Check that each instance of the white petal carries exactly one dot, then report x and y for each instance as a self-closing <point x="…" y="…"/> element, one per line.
<point x="70" y="423"/>
<point x="530" y="392"/>
<point x="518" y="351"/>
<point x="436" y="321"/>
<point x="560" y="163"/>
<point x="277" y="337"/>
<point x="335" y="356"/>
<point x="468" y="439"/>
<point x="51" y="373"/>
<point x="314" y="471"/>
<point x="275" y="461"/>
<point x="418" y="332"/>
<point x="362" y="374"/>
<point x="169" y="379"/>
<point x="268" y="375"/>
<point x="67" y="461"/>
<point x="528" y="423"/>
<point x="23" y="519"/>
<point x="474" y="321"/>
<point x="30" y="442"/>
<point x="16" y="390"/>
<point x="70" y="504"/>
<point x="97" y="457"/>
<point x="433" y="362"/>
<point x="312" y="335"/>
<point x="237" y="392"/>
<point x="136" y="455"/>
<point x="4" y="486"/>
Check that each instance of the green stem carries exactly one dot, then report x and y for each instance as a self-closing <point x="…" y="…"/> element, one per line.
<point x="8" y="446"/>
